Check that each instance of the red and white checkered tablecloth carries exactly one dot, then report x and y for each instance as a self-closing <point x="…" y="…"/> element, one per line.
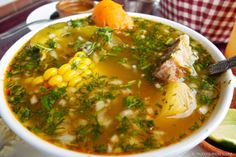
<point x="214" y="19"/>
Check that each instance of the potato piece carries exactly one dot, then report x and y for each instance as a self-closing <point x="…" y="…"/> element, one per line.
<point x="179" y="101"/>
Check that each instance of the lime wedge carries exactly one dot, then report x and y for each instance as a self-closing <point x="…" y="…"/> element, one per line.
<point x="225" y="135"/>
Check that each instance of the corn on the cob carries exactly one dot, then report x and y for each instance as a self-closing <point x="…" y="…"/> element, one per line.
<point x="69" y="74"/>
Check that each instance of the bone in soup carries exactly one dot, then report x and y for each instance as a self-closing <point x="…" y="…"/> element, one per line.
<point x="104" y="91"/>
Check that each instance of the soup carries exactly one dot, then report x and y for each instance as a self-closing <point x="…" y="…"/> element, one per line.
<point x="104" y="91"/>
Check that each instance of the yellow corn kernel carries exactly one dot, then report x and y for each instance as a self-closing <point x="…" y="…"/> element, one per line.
<point x="62" y="84"/>
<point x="78" y="71"/>
<point x="87" y="72"/>
<point x="75" y="60"/>
<point x="74" y="81"/>
<point x="79" y="85"/>
<point x="82" y="66"/>
<point x="37" y="80"/>
<point x="64" y="68"/>
<point x="69" y="75"/>
<point x="49" y="73"/>
<point x="29" y="80"/>
<point x="80" y="54"/>
<point x="55" y="80"/>
<point x="86" y="61"/>
<point x="92" y="65"/>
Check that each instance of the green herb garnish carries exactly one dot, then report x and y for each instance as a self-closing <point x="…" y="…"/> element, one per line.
<point x="133" y="102"/>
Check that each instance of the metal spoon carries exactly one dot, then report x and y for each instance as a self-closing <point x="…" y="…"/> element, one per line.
<point x="19" y="28"/>
<point x="221" y="66"/>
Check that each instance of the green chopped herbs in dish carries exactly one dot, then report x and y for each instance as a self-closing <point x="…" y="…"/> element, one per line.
<point x="104" y="91"/>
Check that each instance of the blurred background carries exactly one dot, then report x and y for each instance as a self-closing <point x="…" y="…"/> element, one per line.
<point x="13" y="12"/>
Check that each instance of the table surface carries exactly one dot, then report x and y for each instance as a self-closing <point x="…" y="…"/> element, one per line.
<point x="20" y="16"/>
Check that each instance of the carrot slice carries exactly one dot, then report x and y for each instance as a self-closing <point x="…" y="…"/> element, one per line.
<point x="109" y="13"/>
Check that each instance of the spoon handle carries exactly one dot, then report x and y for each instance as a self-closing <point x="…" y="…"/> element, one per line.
<point x="232" y="62"/>
<point x="19" y="28"/>
<point x="222" y="66"/>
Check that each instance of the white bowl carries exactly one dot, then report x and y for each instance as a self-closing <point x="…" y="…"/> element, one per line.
<point x="184" y="145"/>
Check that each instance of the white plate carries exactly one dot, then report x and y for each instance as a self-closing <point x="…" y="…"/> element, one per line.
<point x="43" y="12"/>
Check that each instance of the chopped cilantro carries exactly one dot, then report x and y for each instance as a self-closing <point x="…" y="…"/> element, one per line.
<point x="28" y="60"/>
<point x="150" y="142"/>
<point x="96" y="130"/>
<point x="76" y="23"/>
<point x="51" y="129"/>
<point x="77" y="45"/>
<point x="205" y="85"/>
<point x="51" y="44"/>
<point x="50" y="99"/>
<point x="128" y="147"/>
<point x="82" y="133"/>
<point x="116" y="49"/>
<point x="204" y="99"/>
<point x="144" y="124"/>
<point x="143" y="63"/>
<point x="100" y="148"/>
<point x="55" y="117"/>
<point x="182" y="135"/>
<point x="17" y="94"/>
<point x="133" y="102"/>
<point x="123" y="60"/>
<point x="105" y="33"/>
<point x="91" y="131"/>
<point x="194" y="126"/>
<point x="35" y="130"/>
<point x="25" y="113"/>
<point x="90" y="47"/>
<point x="124" y="125"/>
<point x="130" y="83"/>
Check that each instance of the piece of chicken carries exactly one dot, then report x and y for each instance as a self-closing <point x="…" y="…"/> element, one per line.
<point x="180" y="62"/>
